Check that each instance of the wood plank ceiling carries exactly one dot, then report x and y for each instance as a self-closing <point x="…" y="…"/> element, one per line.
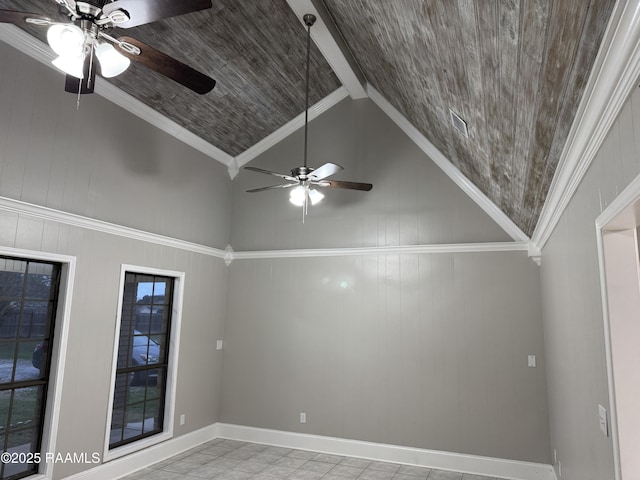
<point x="515" y="70"/>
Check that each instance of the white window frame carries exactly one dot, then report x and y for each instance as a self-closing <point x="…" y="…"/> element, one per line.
<point x="172" y="369"/>
<point x="59" y="351"/>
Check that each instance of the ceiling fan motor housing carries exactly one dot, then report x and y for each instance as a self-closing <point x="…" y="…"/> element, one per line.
<point x="301" y="173"/>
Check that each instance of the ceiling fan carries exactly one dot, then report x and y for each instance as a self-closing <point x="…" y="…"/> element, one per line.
<point x="86" y="47"/>
<point x="303" y="178"/>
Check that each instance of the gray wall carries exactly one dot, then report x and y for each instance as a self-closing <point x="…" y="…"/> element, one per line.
<point x="106" y="164"/>
<point x="572" y="307"/>
<point x="424" y="350"/>
<point x="102" y="161"/>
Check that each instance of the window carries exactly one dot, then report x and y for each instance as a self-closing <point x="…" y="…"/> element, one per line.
<point x="142" y="358"/>
<point x="28" y="304"/>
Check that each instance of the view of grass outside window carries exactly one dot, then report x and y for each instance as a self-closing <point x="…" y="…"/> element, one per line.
<point x="28" y="298"/>
<point x="142" y="358"/>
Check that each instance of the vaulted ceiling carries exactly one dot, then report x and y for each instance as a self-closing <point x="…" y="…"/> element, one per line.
<point x="514" y="70"/>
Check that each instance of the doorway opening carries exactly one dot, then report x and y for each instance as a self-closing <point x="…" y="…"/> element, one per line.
<point x="618" y="229"/>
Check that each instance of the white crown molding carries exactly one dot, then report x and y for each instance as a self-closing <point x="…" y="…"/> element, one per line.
<point x="19" y="207"/>
<point x="472" y="464"/>
<point x="49" y="214"/>
<point x="332" y="46"/>
<point x="39" y="51"/>
<point x="448" y="168"/>
<point x="391" y="250"/>
<point x="613" y="78"/>
<point x="287" y="129"/>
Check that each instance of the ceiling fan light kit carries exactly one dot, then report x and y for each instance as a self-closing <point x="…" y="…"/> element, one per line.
<point x="302" y="179"/>
<point x="84" y="44"/>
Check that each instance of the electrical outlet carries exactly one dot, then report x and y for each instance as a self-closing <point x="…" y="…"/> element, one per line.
<point x="183" y="419"/>
<point x="531" y="361"/>
<point x="219" y="345"/>
<point x="303" y="417"/>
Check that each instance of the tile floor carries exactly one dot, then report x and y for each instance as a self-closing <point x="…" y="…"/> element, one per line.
<point x="232" y="460"/>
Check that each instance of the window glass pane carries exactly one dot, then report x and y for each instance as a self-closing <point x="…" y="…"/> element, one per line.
<point x="39" y="281"/>
<point x="151" y="416"/>
<point x="11" y="278"/>
<point x="144" y="291"/>
<point x="24" y="410"/>
<point x="127" y="321"/>
<point x="144" y="314"/>
<point x="7" y="354"/>
<point x="29" y="352"/>
<point x="163" y="350"/>
<point x="164" y="319"/>
<point x="20" y="442"/>
<point x="5" y="399"/>
<point x="124" y="350"/>
<point x="129" y="294"/>
<point x="9" y="318"/>
<point x="34" y="319"/>
<point x="133" y="421"/>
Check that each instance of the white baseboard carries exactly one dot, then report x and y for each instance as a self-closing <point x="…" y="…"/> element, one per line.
<point x="492" y="467"/>
<point x="123" y="466"/>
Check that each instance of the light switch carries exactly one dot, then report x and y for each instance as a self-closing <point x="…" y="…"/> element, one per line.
<point x="602" y="419"/>
<point x="532" y="361"/>
<point x="219" y="345"/>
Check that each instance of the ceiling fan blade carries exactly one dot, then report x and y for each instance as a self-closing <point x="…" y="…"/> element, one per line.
<point x="167" y="66"/>
<point x="325" y="171"/>
<point x="87" y="84"/>
<point x="269" y="172"/>
<point x="147" y="11"/>
<point x="365" y="187"/>
<point x="272" y="187"/>
<point x="19" y="18"/>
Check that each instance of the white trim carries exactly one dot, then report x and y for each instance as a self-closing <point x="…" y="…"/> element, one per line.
<point x="49" y="214"/>
<point x="61" y="335"/>
<point x="287" y="129"/>
<point x="612" y="79"/>
<point x="626" y="198"/>
<point x="332" y="46"/>
<point x="39" y="51"/>
<point x="123" y="466"/>
<point x="45" y="213"/>
<point x="172" y="369"/>
<point x="629" y="196"/>
<point x="392" y="250"/>
<point x="493" y="467"/>
<point x="448" y="168"/>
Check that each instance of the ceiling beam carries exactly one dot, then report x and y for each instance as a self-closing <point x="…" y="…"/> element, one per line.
<point x="328" y="39"/>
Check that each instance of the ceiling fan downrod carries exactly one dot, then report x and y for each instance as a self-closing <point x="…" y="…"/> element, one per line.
<point x="309" y="20"/>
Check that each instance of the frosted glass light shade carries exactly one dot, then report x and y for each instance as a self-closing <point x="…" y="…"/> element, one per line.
<point x="112" y="62"/>
<point x="297" y="196"/>
<point x="66" y="40"/>
<point x="315" y="196"/>
<point x="72" y="65"/>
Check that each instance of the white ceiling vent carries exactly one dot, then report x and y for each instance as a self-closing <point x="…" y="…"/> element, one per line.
<point x="459" y="124"/>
